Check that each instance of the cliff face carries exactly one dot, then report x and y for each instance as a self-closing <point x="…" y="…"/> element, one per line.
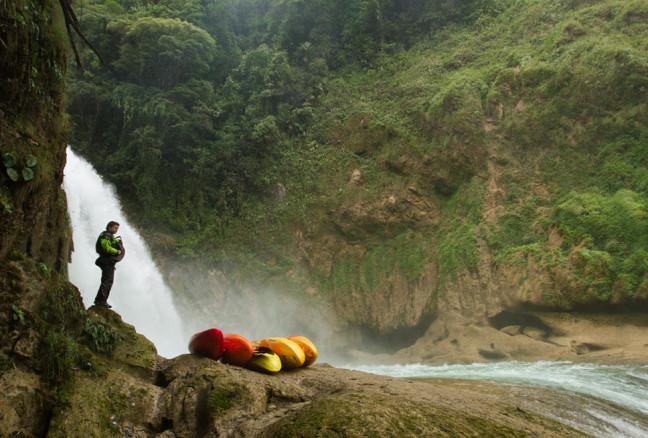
<point x="33" y="211"/>
<point x="40" y="312"/>
<point x="483" y="173"/>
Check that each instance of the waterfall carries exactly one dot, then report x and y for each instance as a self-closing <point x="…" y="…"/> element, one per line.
<point x="139" y="293"/>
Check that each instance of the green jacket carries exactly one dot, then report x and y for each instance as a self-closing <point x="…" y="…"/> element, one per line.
<point x="107" y="244"/>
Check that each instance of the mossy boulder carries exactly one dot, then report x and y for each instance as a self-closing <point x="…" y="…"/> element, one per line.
<point x="24" y="403"/>
<point x="107" y="404"/>
<point x="127" y="347"/>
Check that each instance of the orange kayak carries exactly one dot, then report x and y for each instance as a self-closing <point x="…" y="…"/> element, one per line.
<point x="290" y="353"/>
<point x="310" y="351"/>
<point x="238" y="350"/>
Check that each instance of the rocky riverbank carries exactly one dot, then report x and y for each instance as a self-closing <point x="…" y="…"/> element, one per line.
<point x="128" y="390"/>
<point x="136" y="393"/>
<point x="531" y="336"/>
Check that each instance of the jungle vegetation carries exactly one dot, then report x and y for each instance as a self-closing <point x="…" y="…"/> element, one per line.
<point x="205" y="110"/>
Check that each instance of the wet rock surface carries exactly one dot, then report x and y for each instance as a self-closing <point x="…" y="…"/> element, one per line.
<point x="129" y="390"/>
<point x="600" y="338"/>
<point x="23" y="404"/>
<point x="140" y="394"/>
<point x="209" y="399"/>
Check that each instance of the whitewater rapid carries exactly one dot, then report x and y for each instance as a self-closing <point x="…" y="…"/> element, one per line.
<point x="139" y="293"/>
<point x="622" y="388"/>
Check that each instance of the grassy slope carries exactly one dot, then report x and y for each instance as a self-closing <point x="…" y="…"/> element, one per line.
<point x="546" y="100"/>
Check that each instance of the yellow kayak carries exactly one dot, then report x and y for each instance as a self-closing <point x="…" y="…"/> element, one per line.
<point x="266" y="362"/>
<point x="290" y="353"/>
<point x="310" y="351"/>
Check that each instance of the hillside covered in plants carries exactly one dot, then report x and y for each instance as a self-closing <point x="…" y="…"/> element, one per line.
<point x="398" y="162"/>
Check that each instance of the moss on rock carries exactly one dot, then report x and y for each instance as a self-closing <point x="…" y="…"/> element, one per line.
<point x="129" y="347"/>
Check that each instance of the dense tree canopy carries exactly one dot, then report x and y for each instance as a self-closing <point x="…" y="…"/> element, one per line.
<point x="164" y="52"/>
<point x="208" y="113"/>
<point x="198" y="97"/>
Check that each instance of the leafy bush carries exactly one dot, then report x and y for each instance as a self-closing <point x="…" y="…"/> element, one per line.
<point x="101" y="337"/>
<point x="600" y="219"/>
<point x="17" y="315"/>
<point x="63" y="306"/>
<point x="611" y="232"/>
<point x="405" y="254"/>
<point x="58" y="355"/>
<point x="457" y="252"/>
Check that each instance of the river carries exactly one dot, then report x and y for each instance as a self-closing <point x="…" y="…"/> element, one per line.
<point x="600" y="400"/>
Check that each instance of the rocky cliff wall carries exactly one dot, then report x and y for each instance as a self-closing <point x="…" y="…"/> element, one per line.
<point x="41" y="314"/>
<point x="33" y="210"/>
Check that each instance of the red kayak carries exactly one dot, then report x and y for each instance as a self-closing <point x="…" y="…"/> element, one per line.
<point x="238" y="350"/>
<point x="208" y="343"/>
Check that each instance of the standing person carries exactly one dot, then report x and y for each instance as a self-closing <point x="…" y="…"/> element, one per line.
<point x="110" y="250"/>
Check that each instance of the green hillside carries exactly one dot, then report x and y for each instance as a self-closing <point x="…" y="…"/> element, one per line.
<point x="344" y="147"/>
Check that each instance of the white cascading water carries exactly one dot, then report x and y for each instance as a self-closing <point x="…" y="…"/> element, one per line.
<point x="139" y="293"/>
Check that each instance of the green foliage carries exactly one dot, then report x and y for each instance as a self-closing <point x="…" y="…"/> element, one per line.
<point x="63" y="307"/>
<point x="100" y="336"/>
<point x="5" y="201"/>
<point x="192" y="115"/>
<point x="162" y="52"/>
<point x="623" y="163"/>
<point x="456" y="110"/>
<point x="17" y="315"/>
<point x="16" y="255"/>
<point x="611" y="232"/>
<point x="13" y="174"/>
<point x="517" y="230"/>
<point x="27" y="174"/>
<point x="601" y="219"/>
<point x="457" y="240"/>
<point x="9" y="159"/>
<point x="634" y="273"/>
<point x="44" y="270"/>
<point x="457" y="252"/>
<point x="32" y="88"/>
<point x="405" y="254"/>
<point x="58" y="354"/>
<point x="31" y="161"/>
<point x="594" y="272"/>
<point x="433" y="95"/>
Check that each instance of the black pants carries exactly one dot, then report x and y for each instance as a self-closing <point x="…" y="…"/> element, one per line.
<point x="107" y="277"/>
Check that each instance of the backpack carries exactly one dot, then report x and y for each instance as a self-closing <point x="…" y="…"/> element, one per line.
<point x="100" y="251"/>
<point x="98" y="247"/>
